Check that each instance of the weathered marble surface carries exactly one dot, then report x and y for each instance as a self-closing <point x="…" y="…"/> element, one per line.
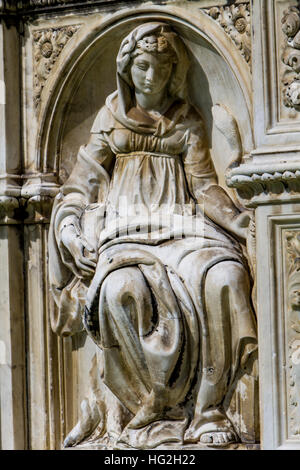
<point x="48" y="119"/>
<point x="158" y="352"/>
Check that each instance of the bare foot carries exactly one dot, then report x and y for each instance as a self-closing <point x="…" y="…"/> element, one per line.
<point x="212" y="429"/>
<point x="218" y="438"/>
<point x="90" y="418"/>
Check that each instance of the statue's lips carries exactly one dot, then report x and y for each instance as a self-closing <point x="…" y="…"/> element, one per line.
<point x="148" y="86"/>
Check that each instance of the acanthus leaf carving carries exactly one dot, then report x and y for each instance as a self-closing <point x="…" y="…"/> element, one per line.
<point x="236" y="22"/>
<point x="48" y="45"/>
<point x="291" y="58"/>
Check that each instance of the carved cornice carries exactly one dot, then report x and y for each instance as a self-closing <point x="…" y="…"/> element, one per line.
<point x="291" y="58"/>
<point x="48" y="44"/>
<point x="27" y="203"/>
<point x="8" y="7"/>
<point x="36" y="209"/>
<point x="46" y="3"/>
<point x="292" y="246"/>
<point x="9" y="210"/>
<point x="236" y="22"/>
<point x="253" y="182"/>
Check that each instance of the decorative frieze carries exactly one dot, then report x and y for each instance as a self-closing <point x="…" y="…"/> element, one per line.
<point x="42" y="3"/>
<point x="291" y="58"/>
<point x="292" y="240"/>
<point x="250" y="182"/>
<point x="12" y="6"/>
<point x="236" y="22"/>
<point x="47" y="46"/>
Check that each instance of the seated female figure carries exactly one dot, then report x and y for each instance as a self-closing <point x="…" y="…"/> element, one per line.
<point x="161" y="286"/>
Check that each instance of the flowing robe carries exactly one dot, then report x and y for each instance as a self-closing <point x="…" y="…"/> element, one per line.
<point x="145" y="306"/>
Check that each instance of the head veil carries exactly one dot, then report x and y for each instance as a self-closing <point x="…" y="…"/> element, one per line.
<point x="121" y="101"/>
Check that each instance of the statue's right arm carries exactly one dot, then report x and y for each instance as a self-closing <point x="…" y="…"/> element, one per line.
<point x="87" y="184"/>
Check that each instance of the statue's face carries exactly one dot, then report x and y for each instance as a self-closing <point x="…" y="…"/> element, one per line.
<point x="150" y="72"/>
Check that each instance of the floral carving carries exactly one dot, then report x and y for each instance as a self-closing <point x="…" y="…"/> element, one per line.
<point x="48" y="44"/>
<point x="236" y="21"/>
<point x="292" y="239"/>
<point x="291" y="58"/>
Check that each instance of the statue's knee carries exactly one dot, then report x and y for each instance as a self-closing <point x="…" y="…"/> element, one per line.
<point x="119" y="283"/>
<point x="227" y="273"/>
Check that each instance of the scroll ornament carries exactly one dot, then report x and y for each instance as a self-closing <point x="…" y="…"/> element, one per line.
<point x="47" y="46"/>
<point x="291" y="58"/>
<point x="236" y="22"/>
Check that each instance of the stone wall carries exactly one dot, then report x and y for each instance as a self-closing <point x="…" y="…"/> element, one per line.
<point x="56" y="68"/>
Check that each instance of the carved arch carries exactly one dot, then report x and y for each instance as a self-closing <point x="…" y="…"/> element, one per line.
<point x="80" y="53"/>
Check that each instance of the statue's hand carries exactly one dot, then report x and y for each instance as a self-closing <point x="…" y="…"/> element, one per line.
<point x="84" y="255"/>
<point x="240" y="223"/>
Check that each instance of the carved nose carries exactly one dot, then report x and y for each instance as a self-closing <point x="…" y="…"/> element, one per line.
<point x="150" y="75"/>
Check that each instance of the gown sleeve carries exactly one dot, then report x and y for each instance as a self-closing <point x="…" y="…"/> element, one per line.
<point x="86" y="187"/>
<point x="198" y="165"/>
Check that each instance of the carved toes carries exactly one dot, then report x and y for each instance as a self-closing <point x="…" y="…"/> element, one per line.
<point x="218" y="438"/>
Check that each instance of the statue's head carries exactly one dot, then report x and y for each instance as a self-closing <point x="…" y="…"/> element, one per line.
<point x="153" y="57"/>
<point x="152" y="63"/>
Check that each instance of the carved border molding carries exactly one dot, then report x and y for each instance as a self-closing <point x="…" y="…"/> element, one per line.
<point x="48" y="44"/>
<point x="36" y="209"/>
<point x="291" y="58"/>
<point x="278" y="288"/>
<point x="236" y="22"/>
<point x="292" y="247"/>
<point x="251" y="182"/>
<point x="23" y="6"/>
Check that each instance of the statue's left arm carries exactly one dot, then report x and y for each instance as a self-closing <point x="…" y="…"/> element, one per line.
<point x="203" y="185"/>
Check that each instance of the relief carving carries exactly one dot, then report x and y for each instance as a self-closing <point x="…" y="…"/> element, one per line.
<point x="36" y="209"/>
<point x="47" y="46"/>
<point x="9" y="208"/>
<point x="236" y="21"/>
<point x="8" y="6"/>
<point x="42" y="3"/>
<point x="291" y="58"/>
<point x="292" y="239"/>
<point x="255" y="183"/>
<point x="147" y="254"/>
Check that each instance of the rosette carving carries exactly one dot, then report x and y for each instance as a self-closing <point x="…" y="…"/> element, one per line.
<point x="236" y="21"/>
<point x="47" y="46"/>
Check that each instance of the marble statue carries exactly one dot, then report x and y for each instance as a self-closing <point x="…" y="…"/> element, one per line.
<point x="147" y="253"/>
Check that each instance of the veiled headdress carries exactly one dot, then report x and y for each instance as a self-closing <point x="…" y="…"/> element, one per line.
<point x="121" y="101"/>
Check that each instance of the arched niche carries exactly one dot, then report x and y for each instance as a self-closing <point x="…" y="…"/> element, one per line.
<point x="85" y="75"/>
<point x="82" y="78"/>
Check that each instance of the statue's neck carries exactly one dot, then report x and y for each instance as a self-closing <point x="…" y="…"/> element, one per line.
<point x="154" y="102"/>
